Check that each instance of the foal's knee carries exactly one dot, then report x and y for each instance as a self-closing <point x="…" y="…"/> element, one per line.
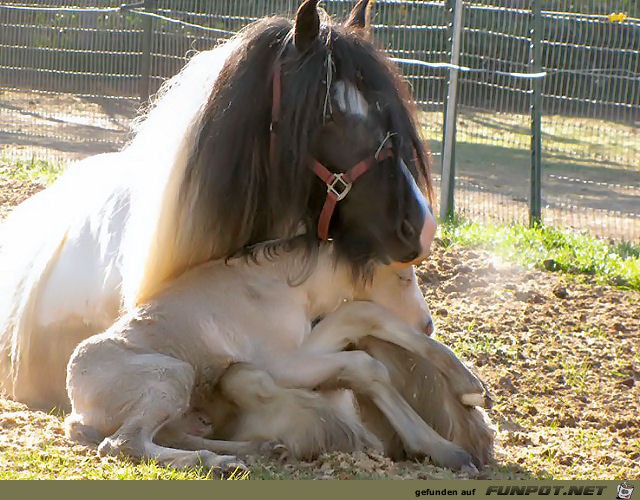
<point x="248" y="386"/>
<point x="363" y="370"/>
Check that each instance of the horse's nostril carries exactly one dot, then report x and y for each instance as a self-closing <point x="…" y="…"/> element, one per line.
<point x="410" y="257"/>
<point x="407" y="231"/>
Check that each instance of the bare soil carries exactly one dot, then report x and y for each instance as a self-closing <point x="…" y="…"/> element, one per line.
<point x="61" y="127"/>
<point x="560" y="355"/>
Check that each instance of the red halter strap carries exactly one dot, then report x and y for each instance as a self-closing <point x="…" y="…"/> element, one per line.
<point x="275" y="111"/>
<point x="338" y="185"/>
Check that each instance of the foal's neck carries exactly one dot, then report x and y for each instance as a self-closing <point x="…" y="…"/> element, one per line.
<point x="330" y="284"/>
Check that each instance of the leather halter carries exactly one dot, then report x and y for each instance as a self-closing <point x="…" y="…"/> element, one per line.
<point x="275" y="111"/>
<point x="338" y="184"/>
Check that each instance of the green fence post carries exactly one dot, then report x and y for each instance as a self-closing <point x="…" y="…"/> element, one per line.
<point x="145" y="61"/>
<point x="447" y="184"/>
<point x="535" y="200"/>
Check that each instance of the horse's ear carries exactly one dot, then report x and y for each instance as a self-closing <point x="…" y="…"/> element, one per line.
<point x="359" y="18"/>
<point x="307" y="25"/>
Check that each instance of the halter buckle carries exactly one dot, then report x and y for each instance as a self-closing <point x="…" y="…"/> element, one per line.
<point x="343" y="188"/>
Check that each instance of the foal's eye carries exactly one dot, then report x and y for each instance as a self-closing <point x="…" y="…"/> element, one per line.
<point x="404" y="278"/>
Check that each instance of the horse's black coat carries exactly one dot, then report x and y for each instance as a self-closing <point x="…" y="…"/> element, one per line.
<point x="236" y="187"/>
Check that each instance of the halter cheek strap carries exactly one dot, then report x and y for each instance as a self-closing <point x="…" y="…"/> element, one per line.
<point x="338" y="185"/>
<point x="275" y="111"/>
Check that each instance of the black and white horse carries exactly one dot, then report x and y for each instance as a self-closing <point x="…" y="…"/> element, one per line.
<point x="258" y="140"/>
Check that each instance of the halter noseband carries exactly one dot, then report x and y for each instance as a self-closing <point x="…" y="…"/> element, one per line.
<point x="338" y="185"/>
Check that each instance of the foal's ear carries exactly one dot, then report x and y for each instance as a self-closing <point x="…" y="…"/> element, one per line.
<point x="307" y="25"/>
<point x="359" y="18"/>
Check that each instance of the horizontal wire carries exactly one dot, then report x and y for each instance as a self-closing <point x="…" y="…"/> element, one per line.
<point x="183" y="23"/>
<point x="406" y="61"/>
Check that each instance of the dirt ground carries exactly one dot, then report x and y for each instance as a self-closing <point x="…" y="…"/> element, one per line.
<point x="560" y="355"/>
<point x="61" y="127"/>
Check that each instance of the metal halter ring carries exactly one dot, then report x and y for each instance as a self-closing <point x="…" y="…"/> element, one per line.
<point x="343" y="189"/>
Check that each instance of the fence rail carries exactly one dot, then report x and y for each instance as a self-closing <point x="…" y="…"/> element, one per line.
<point x="72" y="75"/>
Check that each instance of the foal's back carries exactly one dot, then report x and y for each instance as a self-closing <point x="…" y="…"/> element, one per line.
<point x="245" y="311"/>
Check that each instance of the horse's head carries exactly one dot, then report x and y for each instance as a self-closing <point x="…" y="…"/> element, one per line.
<point x="371" y="170"/>
<point x="299" y="107"/>
<point x="380" y="211"/>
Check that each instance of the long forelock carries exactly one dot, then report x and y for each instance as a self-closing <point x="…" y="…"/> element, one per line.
<point x="372" y="72"/>
<point x="230" y="189"/>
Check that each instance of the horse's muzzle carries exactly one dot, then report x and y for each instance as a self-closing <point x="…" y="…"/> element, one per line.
<point x="427" y="235"/>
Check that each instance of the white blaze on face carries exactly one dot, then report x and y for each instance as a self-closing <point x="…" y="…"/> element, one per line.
<point x="350" y="100"/>
<point x="428" y="231"/>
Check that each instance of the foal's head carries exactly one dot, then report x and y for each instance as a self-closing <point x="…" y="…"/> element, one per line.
<point x="309" y="130"/>
<point x="397" y="290"/>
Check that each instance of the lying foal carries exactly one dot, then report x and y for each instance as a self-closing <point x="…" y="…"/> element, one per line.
<point x="247" y="405"/>
<point x="139" y="375"/>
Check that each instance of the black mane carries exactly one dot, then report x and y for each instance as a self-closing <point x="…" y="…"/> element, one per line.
<point x="239" y="196"/>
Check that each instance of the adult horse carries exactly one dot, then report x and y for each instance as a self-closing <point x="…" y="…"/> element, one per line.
<point x="257" y="140"/>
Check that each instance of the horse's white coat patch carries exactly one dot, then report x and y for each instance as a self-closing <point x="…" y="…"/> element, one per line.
<point x="350" y="100"/>
<point x="84" y="279"/>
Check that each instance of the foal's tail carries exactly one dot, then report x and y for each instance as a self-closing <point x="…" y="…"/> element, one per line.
<point x="306" y="422"/>
<point x="428" y="392"/>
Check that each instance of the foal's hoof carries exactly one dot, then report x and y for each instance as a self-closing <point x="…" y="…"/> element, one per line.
<point x="465" y="383"/>
<point x="456" y="459"/>
<point x="228" y="465"/>
<point x="274" y="450"/>
<point x="483" y="400"/>
<point x="280" y="452"/>
<point x="112" y="447"/>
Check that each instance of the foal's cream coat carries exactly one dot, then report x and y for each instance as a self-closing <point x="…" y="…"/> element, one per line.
<point x="140" y="375"/>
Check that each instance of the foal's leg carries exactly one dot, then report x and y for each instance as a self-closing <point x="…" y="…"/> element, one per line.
<point x="355" y="320"/>
<point x="428" y="393"/>
<point x="135" y="439"/>
<point x="161" y="402"/>
<point x="176" y="435"/>
<point x="241" y="448"/>
<point x="365" y="375"/>
<point x="111" y="385"/>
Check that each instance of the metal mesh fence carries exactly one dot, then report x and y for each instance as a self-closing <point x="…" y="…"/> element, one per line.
<point x="67" y="80"/>
<point x="71" y="80"/>
<point x="590" y="114"/>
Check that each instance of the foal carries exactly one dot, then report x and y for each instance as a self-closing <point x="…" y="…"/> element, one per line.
<point x="130" y="381"/>
<point x="247" y="405"/>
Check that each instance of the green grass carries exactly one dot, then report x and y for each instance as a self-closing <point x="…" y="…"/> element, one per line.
<point x="551" y="249"/>
<point x="34" y="170"/>
<point x="54" y="462"/>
